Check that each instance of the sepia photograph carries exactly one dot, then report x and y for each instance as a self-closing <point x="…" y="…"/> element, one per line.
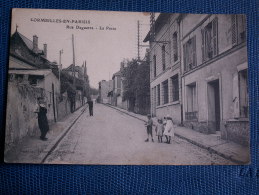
<point x="127" y="88"/>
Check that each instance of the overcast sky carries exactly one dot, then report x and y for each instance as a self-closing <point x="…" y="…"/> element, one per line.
<point x="103" y="50"/>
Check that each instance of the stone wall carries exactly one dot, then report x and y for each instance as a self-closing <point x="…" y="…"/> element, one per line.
<point x="201" y="127"/>
<point x="20" y="117"/>
<point x="237" y="131"/>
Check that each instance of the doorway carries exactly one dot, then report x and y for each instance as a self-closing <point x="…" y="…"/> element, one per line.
<point x="214" y="106"/>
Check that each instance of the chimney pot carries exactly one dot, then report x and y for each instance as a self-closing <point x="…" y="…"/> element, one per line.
<point x="35" y="43"/>
<point x="45" y="50"/>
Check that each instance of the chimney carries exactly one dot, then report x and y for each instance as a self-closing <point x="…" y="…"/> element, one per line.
<point x="45" y="50"/>
<point x="35" y="43"/>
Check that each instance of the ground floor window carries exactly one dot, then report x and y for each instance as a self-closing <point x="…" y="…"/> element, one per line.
<point x="175" y="88"/>
<point x="158" y="95"/>
<point x="191" y="100"/>
<point x="165" y="92"/>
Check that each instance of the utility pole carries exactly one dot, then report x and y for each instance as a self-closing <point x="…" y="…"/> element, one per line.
<point x="60" y="66"/>
<point x="139" y="46"/>
<point x="138" y="42"/>
<point x="73" y="67"/>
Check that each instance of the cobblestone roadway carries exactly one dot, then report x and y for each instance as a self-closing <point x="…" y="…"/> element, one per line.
<point x="111" y="137"/>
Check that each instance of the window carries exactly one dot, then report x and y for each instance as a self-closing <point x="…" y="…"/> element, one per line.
<point x="165" y="92"/>
<point x="189" y="51"/>
<point x="234" y="28"/>
<point x="163" y="57"/>
<point x="210" y="40"/>
<point x="158" y="95"/>
<point x="154" y="65"/>
<point x="175" y="46"/>
<point x="238" y="27"/>
<point x="242" y="28"/>
<point x="243" y="93"/>
<point x="191" y="113"/>
<point x="175" y="88"/>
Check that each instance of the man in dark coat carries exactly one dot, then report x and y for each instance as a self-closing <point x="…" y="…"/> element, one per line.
<point x="90" y="105"/>
<point x="42" y="119"/>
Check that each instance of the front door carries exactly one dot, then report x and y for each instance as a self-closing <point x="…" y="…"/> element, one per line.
<point x="214" y="106"/>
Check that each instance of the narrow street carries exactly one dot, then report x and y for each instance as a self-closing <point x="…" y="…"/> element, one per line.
<point x="112" y="137"/>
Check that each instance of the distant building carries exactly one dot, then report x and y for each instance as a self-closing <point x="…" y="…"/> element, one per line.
<point x="117" y="94"/>
<point x="104" y="88"/>
<point x="78" y="71"/>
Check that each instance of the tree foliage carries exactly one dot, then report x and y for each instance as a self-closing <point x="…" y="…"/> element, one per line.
<point x="136" y="85"/>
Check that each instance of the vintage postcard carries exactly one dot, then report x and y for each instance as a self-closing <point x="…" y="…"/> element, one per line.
<point x="127" y="88"/>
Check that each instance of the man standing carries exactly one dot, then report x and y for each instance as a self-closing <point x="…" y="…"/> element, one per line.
<point x="149" y="125"/>
<point x="42" y="118"/>
<point x="90" y="105"/>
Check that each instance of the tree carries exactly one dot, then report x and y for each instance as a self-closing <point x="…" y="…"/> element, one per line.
<point x="128" y="81"/>
<point x="136" y="86"/>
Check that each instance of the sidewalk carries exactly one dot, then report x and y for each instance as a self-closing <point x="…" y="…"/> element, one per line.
<point x="33" y="150"/>
<point x="211" y="142"/>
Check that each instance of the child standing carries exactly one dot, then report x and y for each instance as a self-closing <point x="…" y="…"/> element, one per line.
<point x="160" y="130"/>
<point x="169" y="130"/>
<point x="149" y="125"/>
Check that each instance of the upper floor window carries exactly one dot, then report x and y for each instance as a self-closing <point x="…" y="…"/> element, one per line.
<point x="163" y="57"/>
<point x="210" y="40"/>
<point x="238" y="27"/>
<point x="189" y="54"/>
<point x="154" y="65"/>
<point x="175" y="46"/>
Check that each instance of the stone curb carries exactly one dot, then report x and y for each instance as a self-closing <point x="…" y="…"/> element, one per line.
<point x="52" y="146"/>
<point x="211" y="150"/>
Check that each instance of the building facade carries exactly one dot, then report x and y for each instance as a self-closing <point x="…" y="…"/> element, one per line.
<point x="165" y="72"/>
<point x="199" y="73"/>
<point x="214" y="75"/>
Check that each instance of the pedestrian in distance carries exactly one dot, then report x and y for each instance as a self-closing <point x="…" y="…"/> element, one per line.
<point x="42" y="118"/>
<point x="160" y="130"/>
<point x="90" y="105"/>
<point x="149" y="125"/>
<point x="169" y="129"/>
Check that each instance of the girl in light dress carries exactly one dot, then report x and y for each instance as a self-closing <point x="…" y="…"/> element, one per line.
<point x="169" y="129"/>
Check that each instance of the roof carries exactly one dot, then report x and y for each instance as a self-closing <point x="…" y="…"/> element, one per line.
<point x="117" y="74"/>
<point x="160" y="21"/>
<point x="41" y="72"/>
<point x="29" y="43"/>
<point x="77" y="68"/>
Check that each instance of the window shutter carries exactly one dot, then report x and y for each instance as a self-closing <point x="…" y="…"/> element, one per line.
<point x="236" y="112"/>
<point x="194" y="51"/>
<point x="234" y="29"/>
<point x="202" y="44"/>
<point x="215" y="36"/>
<point x="184" y="57"/>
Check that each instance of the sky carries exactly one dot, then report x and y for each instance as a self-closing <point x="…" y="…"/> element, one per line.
<point x="110" y="37"/>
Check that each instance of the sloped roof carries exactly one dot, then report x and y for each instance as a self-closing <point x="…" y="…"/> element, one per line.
<point x="117" y="73"/>
<point x="29" y="43"/>
<point x="77" y="68"/>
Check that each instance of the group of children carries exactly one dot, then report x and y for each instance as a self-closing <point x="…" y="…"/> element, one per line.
<point x="163" y="128"/>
